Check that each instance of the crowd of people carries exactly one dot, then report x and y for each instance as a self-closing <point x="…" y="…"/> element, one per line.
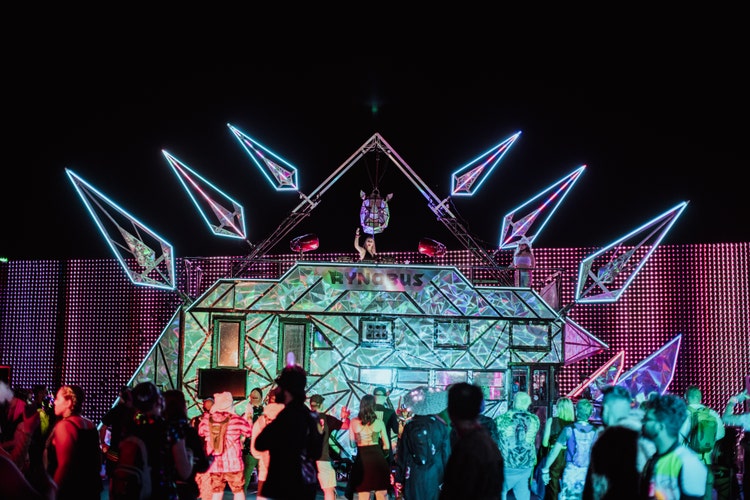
<point x="438" y="446"/>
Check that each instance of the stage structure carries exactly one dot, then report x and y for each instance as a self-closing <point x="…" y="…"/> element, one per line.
<point x="355" y="327"/>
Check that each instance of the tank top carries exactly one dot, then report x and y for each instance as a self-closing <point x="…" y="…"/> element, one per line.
<point x="83" y="480"/>
<point x="367" y="437"/>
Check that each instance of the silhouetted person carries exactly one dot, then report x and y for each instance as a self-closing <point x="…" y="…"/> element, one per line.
<point x="475" y="466"/>
<point x="294" y="430"/>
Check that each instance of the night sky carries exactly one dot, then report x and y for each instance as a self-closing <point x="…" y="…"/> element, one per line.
<point x="650" y="139"/>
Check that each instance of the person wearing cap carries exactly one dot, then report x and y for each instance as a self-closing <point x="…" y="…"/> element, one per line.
<point x="293" y="433"/>
<point x="475" y="467"/>
<point x="385" y="411"/>
<point x="227" y="467"/>
<point x="253" y="411"/>
<point x="424" y="447"/>
<point x="523" y="262"/>
<point x="326" y="473"/>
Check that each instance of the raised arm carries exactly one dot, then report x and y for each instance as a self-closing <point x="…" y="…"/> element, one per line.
<point x="729" y="418"/>
<point x="357" y="246"/>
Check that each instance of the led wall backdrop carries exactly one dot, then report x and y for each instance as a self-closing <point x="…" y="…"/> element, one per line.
<point x="83" y="321"/>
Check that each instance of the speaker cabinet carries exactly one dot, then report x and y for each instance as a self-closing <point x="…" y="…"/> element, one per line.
<point x="213" y="380"/>
<point x="5" y="374"/>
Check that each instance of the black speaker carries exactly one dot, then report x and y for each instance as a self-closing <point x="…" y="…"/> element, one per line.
<point x="5" y="374"/>
<point x="213" y="380"/>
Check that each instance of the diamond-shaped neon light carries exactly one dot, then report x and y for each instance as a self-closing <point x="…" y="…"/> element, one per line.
<point x="605" y="275"/>
<point x="129" y="239"/>
<point x="279" y="173"/>
<point x="538" y="209"/>
<point x="210" y="201"/>
<point x="466" y="180"/>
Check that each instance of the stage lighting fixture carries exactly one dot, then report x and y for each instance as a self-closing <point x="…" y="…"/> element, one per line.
<point x="304" y="243"/>
<point x="431" y="248"/>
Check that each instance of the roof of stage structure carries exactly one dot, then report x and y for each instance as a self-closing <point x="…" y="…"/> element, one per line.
<point x="645" y="146"/>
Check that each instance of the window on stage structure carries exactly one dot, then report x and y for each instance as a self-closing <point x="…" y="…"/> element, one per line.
<point x="444" y="378"/>
<point x="294" y="338"/>
<point x="319" y="341"/>
<point x="540" y="386"/>
<point x="531" y="335"/>
<point x="451" y="333"/>
<point x="519" y="380"/>
<point x="493" y="385"/>
<point x="376" y="332"/>
<point x="228" y="342"/>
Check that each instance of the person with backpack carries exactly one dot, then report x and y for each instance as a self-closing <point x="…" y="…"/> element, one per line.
<point x="701" y="430"/>
<point x="225" y="432"/>
<point x="674" y="471"/>
<point x="576" y="440"/>
<point x="153" y="454"/>
<point x="424" y="447"/>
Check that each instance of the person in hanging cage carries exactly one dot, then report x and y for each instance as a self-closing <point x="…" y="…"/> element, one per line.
<point x="367" y="253"/>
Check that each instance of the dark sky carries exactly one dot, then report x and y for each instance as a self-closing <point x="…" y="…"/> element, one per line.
<point x="651" y="138"/>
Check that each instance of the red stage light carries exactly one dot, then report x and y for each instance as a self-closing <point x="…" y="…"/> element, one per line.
<point x="304" y="243"/>
<point x="431" y="248"/>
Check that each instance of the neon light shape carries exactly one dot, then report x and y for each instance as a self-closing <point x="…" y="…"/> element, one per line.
<point x="280" y="174"/>
<point x="605" y="275"/>
<point x="466" y="180"/>
<point x="511" y="232"/>
<point x="230" y="222"/>
<point x="580" y="344"/>
<point x="153" y="269"/>
<point x="653" y="374"/>
<point x="606" y="375"/>
<point x="374" y="214"/>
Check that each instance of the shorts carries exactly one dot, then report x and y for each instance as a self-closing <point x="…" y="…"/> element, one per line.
<point x="235" y="480"/>
<point x="326" y="474"/>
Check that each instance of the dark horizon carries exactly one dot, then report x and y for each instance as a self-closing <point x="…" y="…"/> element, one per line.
<point x="647" y="148"/>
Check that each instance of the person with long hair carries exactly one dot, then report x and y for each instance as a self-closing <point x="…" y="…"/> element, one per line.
<point x="168" y="455"/>
<point x="370" y="471"/>
<point x="523" y="262"/>
<point x="367" y="252"/>
<point x="563" y="416"/>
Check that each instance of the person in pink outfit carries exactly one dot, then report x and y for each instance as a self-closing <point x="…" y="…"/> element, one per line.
<point x="224" y="432"/>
